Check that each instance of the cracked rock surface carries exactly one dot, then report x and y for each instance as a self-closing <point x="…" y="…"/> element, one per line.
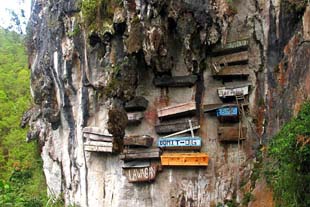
<point x="86" y="76"/>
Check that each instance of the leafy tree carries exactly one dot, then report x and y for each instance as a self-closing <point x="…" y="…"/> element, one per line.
<point x="21" y="177"/>
<point x="288" y="169"/>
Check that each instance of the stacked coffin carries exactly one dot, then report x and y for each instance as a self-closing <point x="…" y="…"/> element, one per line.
<point x="98" y="140"/>
<point x="135" y="110"/>
<point x="140" y="158"/>
<point x="230" y="62"/>
<point x="177" y="119"/>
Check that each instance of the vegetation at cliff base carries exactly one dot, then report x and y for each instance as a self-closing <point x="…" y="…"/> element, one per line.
<point x="21" y="178"/>
<point x="288" y="166"/>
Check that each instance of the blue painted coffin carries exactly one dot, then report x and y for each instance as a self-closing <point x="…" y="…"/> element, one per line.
<point x="180" y="142"/>
<point x="227" y="111"/>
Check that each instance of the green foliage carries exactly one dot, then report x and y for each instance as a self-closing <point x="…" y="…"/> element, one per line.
<point x="98" y="14"/>
<point x="288" y="169"/>
<point x="21" y="178"/>
<point x="247" y="198"/>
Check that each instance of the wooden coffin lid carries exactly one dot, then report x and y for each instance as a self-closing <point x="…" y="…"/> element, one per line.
<point x="231" y="47"/>
<point x="171" y="126"/>
<point x="140" y="153"/>
<point x="233" y="71"/>
<point x="141" y="141"/>
<point x="184" y="159"/>
<point x="139" y="103"/>
<point x="234" y="58"/>
<point x="231" y="133"/>
<point x="176" y="110"/>
<point x="175" y="81"/>
<point x="136" y="164"/>
<point x="97" y="134"/>
<point x="213" y="107"/>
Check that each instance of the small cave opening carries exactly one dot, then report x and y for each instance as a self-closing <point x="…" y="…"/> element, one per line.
<point x="119" y="28"/>
<point x="94" y="39"/>
<point x="172" y="25"/>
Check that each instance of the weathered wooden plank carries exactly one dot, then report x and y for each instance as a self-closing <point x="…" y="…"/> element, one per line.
<point x="226" y="92"/>
<point x="237" y="84"/>
<point x="184" y="159"/>
<point x="139" y="103"/>
<point x="185" y="143"/>
<point x="213" y="107"/>
<point x="95" y="130"/>
<point x="231" y="133"/>
<point x="231" y="47"/>
<point x="96" y="137"/>
<point x="93" y="148"/>
<point x="142" y="153"/>
<point x="175" y="81"/>
<point x="136" y="164"/>
<point x="96" y="134"/>
<point x="135" y="118"/>
<point x="234" y="58"/>
<point x="141" y="174"/>
<point x="98" y="143"/>
<point x="177" y="110"/>
<point x="167" y="127"/>
<point x="235" y="71"/>
<point x="142" y="141"/>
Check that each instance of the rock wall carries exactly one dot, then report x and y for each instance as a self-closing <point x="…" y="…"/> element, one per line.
<point x="88" y="62"/>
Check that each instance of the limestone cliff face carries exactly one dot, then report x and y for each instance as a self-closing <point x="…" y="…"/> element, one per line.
<point x="85" y="67"/>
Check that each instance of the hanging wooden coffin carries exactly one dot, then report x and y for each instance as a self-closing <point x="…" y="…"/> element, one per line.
<point x="135" y="118"/>
<point x="140" y="153"/>
<point x="139" y="103"/>
<point x="231" y="71"/>
<point x="228" y="114"/>
<point x="177" y="110"/>
<point x="231" y="134"/>
<point x="184" y="143"/>
<point x="224" y="92"/>
<point x="229" y="59"/>
<point x="231" y="47"/>
<point x="96" y="134"/>
<point x="168" y="127"/>
<point x="98" y="146"/>
<point x="140" y="141"/>
<point x="184" y="159"/>
<point x="175" y="81"/>
<point x="140" y="171"/>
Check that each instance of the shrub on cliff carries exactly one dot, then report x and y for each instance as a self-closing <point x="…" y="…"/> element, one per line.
<point x="288" y="168"/>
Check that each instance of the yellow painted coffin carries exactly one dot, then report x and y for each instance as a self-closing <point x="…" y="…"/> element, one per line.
<point x="184" y="159"/>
